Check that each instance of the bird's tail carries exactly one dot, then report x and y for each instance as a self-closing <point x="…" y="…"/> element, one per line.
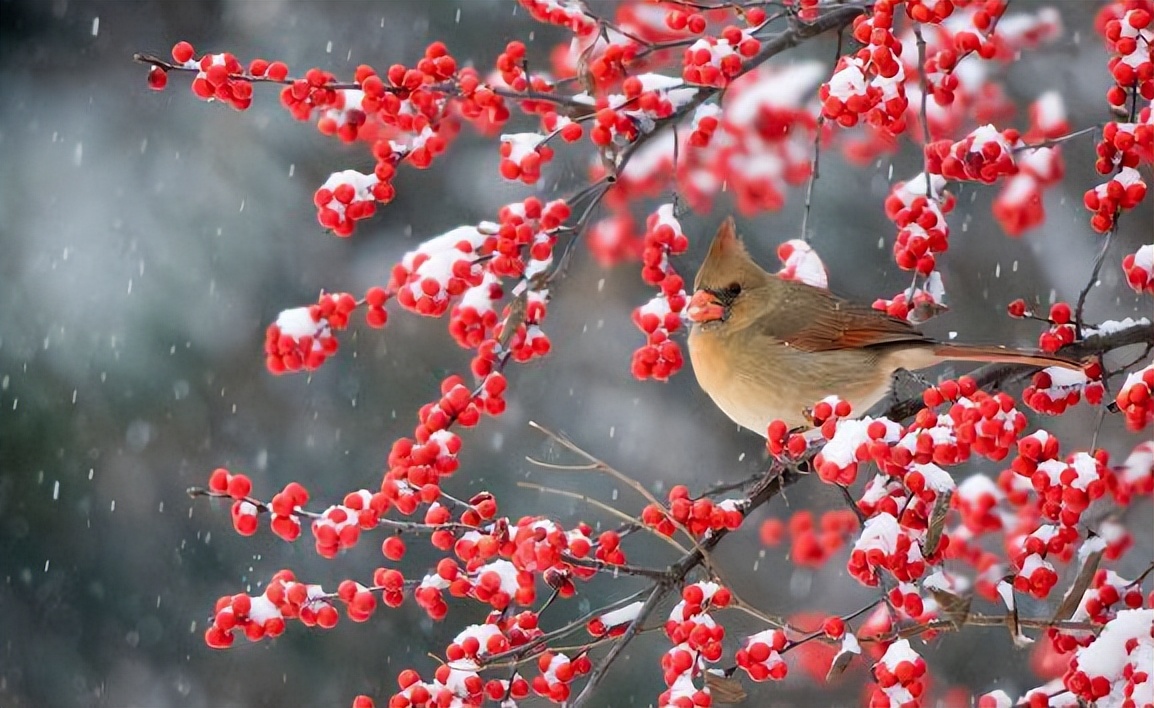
<point x="990" y="353"/>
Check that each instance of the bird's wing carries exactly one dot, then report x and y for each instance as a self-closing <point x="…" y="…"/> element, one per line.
<point x="821" y="321"/>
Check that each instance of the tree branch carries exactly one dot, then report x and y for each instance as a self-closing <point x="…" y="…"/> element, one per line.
<point x="999" y="374"/>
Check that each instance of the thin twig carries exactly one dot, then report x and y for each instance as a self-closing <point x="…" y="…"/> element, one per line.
<point x="602" y="506"/>
<point x="1056" y="141"/>
<point x="579" y="623"/>
<point x="1099" y="259"/>
<point x="656" y="595"/>
<point x="602" y="466"/>
<point x="923" y="113"/>
<point x="815" y="164"/>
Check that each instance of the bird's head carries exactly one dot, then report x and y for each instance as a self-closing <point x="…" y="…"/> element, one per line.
<point x="727" y="282"/>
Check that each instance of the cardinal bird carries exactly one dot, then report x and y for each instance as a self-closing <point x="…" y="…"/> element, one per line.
<point x="765" y="348"/>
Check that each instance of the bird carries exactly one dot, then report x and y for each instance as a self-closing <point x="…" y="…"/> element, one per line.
<point x="765" y="348"/>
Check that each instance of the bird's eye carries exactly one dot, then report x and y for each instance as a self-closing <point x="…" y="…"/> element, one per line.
<point x="733" y="289"/>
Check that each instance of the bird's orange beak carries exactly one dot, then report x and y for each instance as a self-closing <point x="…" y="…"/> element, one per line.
<point x="704" y="308"/>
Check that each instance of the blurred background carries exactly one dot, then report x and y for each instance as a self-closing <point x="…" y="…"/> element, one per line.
<point x="147" y="239"/>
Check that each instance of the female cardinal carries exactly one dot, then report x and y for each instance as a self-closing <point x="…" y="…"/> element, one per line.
<point x="765" y="348"/>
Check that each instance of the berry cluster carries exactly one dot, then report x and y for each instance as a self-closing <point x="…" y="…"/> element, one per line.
<point x="697" y="516"/>
<point x="760" y="655"/>
<point x="871" y="83"/>
<point x="1019" y="206"/>
<point x="900" y="676"/>
<point x="985" y="155"/>
<point x="1062" y="330"/>
<point x="1134" y="399"/>
<point x="696" y="639"/>
<point x="812" y="544"/>
<point x="921" y="221"/>
<point x="715" y="61"/>
<point x="564" y="14"/>
<point x="347" y="197"/>
<point x="522" y="155"/>
<point x="303" y="337"/>
<point x="217" y="75"/>
<point x="557" y="672"/>
<point x="264" y="615"/>
<point x="440" y="269"/>
<point x="800" y="262"/>
<point x="660" y="357"/>
<point x="1115" y="668"/>
<point x="339" y="527"/>
<point x="1126" y="144"/>
<point x="1053" y="390"/>
<point x="1125" y="25"/>
<point x="1139" y="269"/>
<point x="1123" y="191"/>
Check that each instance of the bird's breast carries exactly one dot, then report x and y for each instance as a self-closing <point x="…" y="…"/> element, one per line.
<point x="750" y="398"/>
<point x="755" y="382"/>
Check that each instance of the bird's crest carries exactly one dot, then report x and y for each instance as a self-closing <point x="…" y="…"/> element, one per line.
<point x="728" y="261"/>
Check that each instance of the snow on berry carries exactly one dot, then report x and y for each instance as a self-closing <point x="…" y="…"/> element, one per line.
<point x="760" y="655"/>
<point x="660" y="357"/>
<point x="1114" y="670"/>
<point x="697" y="639"/>
<point x="1139" y="269"/>
<point x="1134" y="398"/>
<point x="921" y="221"/>
<point x="1126" y="144"/>
<point x="885" y="544"/>
<point x="1136" y="475"/>
<point x="683" y="693"/>
<point x="995" y="699"/>
<point x="440" y="268"/>
<point x="302" y="337"/>
<point x="214" y="78"/>
<point x="1107" y="595"/>
<point x="916" y="304"/>
<point x="715" y="61"/>
<point x="1121" y="192"/>
<point x="1129" y="35"/>
<point x="765" y="142"/>
<point x="264" y="615"/>
<point x="474" y="317"/>
<point x="336" y="529"/>
<point x="620" y="118"/>
<point x="871" y="83"/>
<point x="703" y="124"/>
<point x="1035" y="577"/>
<point x="344" y="116"/>
<point x="344" y="198"/>
<point x="615" y="622"/>
<point x="557" y="671"/>
<point x="899" y="675"/>
<point x="849" y="444"/>
<point x="1019" y="205"/>
<point x="476" y="639"/>
<point x="800" y="262"/>
<point x="985" y="155"/>
<point x="522" y="156"/>
<point x="565" y="13"/>
<point x="977" y="500"/>
<point x="1054" y="389"/>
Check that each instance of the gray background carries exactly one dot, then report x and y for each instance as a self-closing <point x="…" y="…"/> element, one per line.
<point x="147" y="239"/>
